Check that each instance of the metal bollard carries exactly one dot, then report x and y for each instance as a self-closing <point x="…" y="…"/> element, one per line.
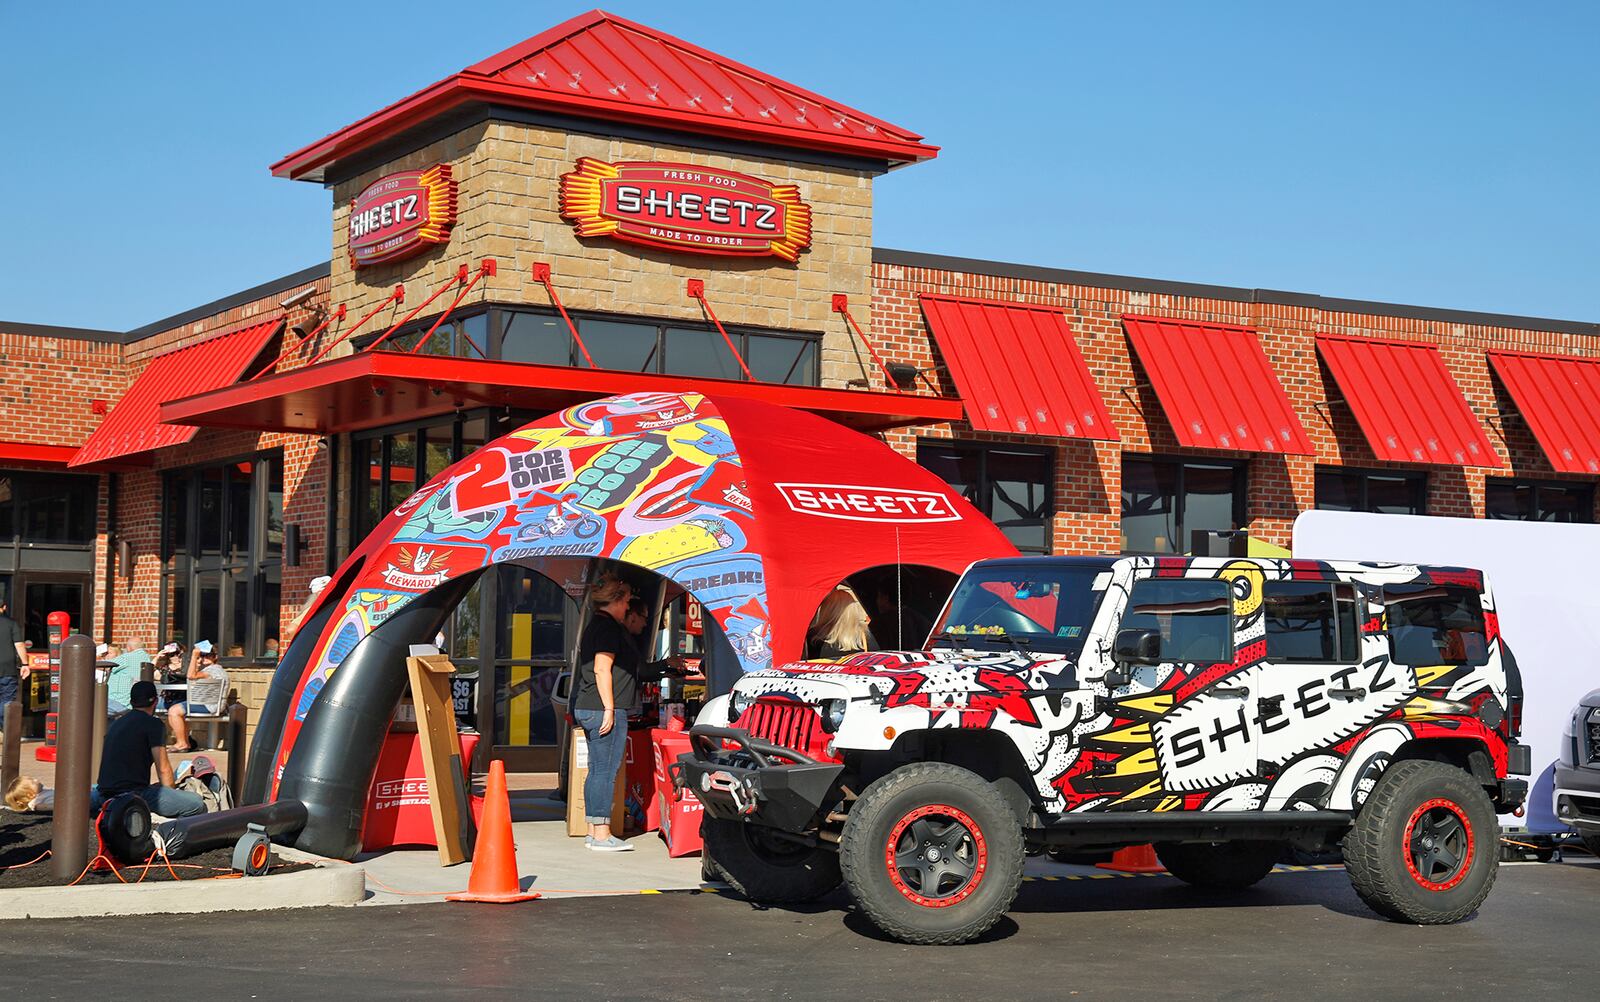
<point x="102" y="690"/>
<point x="69" y="850"/>
<point x="238" y="717"/>
<point x="11" y="749"/>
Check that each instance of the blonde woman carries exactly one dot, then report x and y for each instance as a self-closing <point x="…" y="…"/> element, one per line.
<point x="839" y="628"/>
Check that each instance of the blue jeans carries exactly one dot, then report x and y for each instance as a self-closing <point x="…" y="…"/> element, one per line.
<point x="605" y="761"/>
<point x="162" y="800"/>
<point x="8" y="694"/>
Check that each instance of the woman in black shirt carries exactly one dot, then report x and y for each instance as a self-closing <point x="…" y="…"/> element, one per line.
<point x="607" y="686"/>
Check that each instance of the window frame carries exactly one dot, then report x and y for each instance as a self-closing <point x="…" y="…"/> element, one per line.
<point x="983" y="487"/>
<point x="1418" y="480"/>
<point x="1538" y="487"/>
<point x="1241" y="494"/>
<point x="498" y="314"/>
<point x="1341" y="657"/>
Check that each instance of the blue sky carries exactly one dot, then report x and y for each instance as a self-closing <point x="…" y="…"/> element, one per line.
<point x="1438" y="154"/>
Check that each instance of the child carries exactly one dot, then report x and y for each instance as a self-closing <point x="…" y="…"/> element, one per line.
<point x="28" y="794"/>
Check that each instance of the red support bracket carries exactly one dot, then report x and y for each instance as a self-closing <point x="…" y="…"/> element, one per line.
<point x="841" y="304"/>
<point x="397" y="296"/>
<point x="485" y="268"/>
<point x="541" y="274"/>
<point x="337" y="314"/>
<point x="696" y="289"/>
<point x="460" y="278"/>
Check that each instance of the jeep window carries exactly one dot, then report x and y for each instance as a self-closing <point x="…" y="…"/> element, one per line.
<point x="1310" y="621"/>
<point x="1435" y="625"/>
<point x="1194" y="617"/>
<point x="1049" y="607"/>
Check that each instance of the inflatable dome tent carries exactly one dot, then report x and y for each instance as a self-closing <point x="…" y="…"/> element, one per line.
<point x="755" y="510"/>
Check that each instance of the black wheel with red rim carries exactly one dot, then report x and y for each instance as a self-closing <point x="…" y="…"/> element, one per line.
<point x="932" y="853"/>
<point x="1422" y="848"/>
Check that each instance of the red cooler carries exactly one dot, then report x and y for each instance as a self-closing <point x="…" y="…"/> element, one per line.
<point x="680" y="812"/>
<point x="398" y="812"/>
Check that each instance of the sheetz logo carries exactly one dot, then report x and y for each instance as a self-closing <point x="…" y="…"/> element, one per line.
<point x="691" y="208"/>
<point x="867" y="504"/>
<point x="402" y="214"/>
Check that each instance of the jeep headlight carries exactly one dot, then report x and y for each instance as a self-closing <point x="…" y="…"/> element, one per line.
<point x="832" y="714"/>
<point x="739" y="702"/>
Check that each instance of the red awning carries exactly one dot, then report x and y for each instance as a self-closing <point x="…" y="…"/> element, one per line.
<point x="375" y="388"/>
<point x="135" y="426"/>
<point x="31" y="454"/>
<point x="1018" y="368"/>
<point x="1216" y="386"/>
<point x="1408" y="407"/>
<point x="1559" y="398"/>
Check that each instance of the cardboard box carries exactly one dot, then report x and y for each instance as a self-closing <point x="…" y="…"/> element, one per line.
<point x="577" y="772"/>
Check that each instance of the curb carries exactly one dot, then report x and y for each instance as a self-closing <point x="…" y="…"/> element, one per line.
<point x="320" y="887"/>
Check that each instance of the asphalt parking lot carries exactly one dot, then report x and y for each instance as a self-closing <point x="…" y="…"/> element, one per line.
<point x="1297" y="933"/>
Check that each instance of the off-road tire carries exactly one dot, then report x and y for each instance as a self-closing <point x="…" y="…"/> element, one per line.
<point x="883" y="822"/>
<point x="765" y="869"/>
<point x="1219" y="866"/>
<point x="1378" y="850"/>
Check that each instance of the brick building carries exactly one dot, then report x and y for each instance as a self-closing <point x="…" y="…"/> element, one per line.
<point x="187" y="479"/>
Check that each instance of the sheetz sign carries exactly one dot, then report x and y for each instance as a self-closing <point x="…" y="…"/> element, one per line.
<point x="699" y="209"/>
<point x="402" y="214"/>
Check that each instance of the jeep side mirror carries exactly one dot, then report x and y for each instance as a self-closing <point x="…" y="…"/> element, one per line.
<point x="1138" y="646"/>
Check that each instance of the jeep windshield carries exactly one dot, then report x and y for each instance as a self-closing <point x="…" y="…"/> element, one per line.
<point x="1043" y="607"/>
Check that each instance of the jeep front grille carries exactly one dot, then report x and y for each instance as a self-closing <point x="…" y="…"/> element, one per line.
<point x="790" y="724"/>
<point x="1593" y="729"/>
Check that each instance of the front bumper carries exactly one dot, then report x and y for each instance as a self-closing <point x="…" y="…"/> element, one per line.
<point x="1576" y="800"/>
<point x="756" y="780"/>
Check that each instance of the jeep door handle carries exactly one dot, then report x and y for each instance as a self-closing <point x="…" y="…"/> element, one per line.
<point x="1356" y="693"/>
<point x="1231" y="692"/>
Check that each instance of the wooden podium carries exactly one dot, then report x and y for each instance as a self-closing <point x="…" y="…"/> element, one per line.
<point x="441" y="756"/>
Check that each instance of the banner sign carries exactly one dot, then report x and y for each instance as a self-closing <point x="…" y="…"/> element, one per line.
<point x="698" y="209"/>
<point x="400" y="215"/>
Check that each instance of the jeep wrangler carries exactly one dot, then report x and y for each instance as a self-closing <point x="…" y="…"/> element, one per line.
<point x="1223" y="710"/>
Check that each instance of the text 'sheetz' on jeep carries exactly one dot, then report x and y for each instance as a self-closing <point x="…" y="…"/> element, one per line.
<point x="1222" y="709"/>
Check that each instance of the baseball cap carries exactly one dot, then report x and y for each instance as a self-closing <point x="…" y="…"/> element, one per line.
<point x="204" y="646"/>
<point x="100" y="650"/>
<point x="142" y="694"/>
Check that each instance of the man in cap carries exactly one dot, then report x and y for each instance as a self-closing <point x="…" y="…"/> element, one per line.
<point x="135" y="743"/>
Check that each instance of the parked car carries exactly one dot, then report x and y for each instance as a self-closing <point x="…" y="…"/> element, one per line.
<point x="1577" y="785"/>
<point x="1223" y="709"/>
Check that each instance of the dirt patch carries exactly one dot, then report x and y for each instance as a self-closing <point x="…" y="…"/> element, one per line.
<point x="25" y="838"/>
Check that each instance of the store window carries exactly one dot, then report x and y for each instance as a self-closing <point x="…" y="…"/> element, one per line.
<point x="391" y="464"/>
<point x="1165" y="501"/>
<point x="1535" y="501"/>
<point x="1009" y="484"/>
<point x="1382" y="492"/>
<point x="47" y="509"/>
<point x="632" y="345"/>
<point x="222" y="556"/>
<point x="47" y="535"/>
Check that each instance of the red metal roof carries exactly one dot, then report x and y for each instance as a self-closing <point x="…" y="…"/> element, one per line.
<point x="134" y="424"/>
<point x="599" y="65"/>
<point x="1216" y="386"/>
<point x="375" y="388"/>
<point x="1408" y="407"/>
<point x="32" y="454"/>
<point x="1018" y="368"/>
<point x="1559" y="398"/>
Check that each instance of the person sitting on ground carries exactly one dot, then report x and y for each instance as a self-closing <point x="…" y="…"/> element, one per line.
<point x="135" y="743"/>
<point x="28" y="794"/>
<point x="207" y="685"/>
<point x="839" y="628"/>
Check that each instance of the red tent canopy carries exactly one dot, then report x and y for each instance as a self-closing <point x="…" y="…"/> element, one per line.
<point x="755" y="510"/>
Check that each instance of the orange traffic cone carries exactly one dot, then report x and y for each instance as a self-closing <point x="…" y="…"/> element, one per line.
<point x="1134" y="859"/>
<point x="494" y="856"/>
